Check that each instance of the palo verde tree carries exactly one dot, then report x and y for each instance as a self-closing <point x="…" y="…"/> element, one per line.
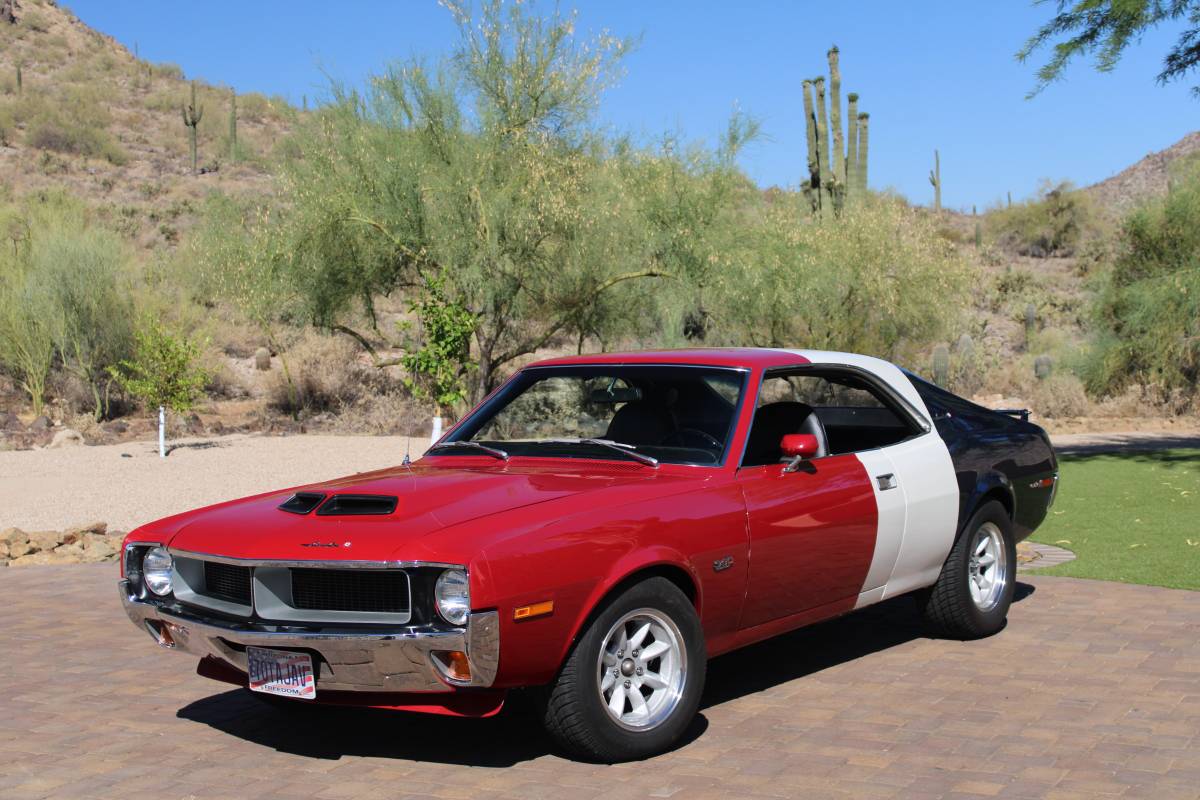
<point x="485" y="173"/>
<point x="1107" y="27"/>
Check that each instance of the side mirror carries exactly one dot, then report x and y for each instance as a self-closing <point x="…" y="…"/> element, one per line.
<point x="799" y="445"/>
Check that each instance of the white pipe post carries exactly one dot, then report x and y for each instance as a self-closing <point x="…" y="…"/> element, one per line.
<point x="162" y="432"/>
<point x="437" y="431"/>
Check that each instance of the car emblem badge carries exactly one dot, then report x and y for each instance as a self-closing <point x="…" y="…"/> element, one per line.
<point x="722" y="564"/>
<point x="322" y="544"/>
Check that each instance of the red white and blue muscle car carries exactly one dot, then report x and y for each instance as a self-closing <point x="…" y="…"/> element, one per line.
<point x="596" y="529"/>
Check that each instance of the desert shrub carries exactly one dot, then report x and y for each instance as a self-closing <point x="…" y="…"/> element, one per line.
<point x="165" y="69"/>
<point x="8" y="125"/>
<point x="1059" y="396"/>
<point x="1148" y="310"/>
<point x="82" y="272"/>
<point x="868" y="281"/>
<point x="320" y="373"/>
<point x="33" y="20"/>
<point x="62" y="282"/>
<point x="1052" y="224"/>
<point x="26" y="339"/>
<point x="164" y="369"/>
<point x="77" y="126"/>
<point x="255" y="107"/>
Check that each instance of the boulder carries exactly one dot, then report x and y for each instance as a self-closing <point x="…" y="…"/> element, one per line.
<point x="67" y="437"/>
<point x="3" y="551"/>
<point x="73" y="551"/>
<point x="41" y="423"/>
<point x="44" y="541"/>
<point x="79" y="533"/>
<point x="114" y="426"/>
<point x="99" y="550"/>
<point x="262" y="359"/>
<point x="10" y="422"/>
<point x="13" y="536"/>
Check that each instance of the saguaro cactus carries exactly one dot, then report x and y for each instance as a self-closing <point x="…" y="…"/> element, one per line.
<point x="822" y="134"/>
<point x="810" y="127"/>
<point x="935" y="178"/>
<point x="1042" y="367"/>
<point x="941" y="365"/>
<point x="232" y="125"/>
<point x="851" y="176"/>
<point x="863" y="119"/>
<point x="192" y="115"/>
<point x="965" y="346"/>
<point x="836" y="166"/>
<point x="835" y="118"/>
<point x="20" y="80"/>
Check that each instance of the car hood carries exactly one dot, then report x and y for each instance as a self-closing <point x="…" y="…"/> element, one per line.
<point x="430" y="498"/>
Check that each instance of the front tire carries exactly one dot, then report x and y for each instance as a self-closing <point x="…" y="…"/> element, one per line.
<point x="632" y="683"/>
<point x="975" y="588"/>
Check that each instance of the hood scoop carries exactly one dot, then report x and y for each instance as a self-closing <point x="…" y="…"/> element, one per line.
<point x="302" y="502"/>
<point x="358" y="505"/>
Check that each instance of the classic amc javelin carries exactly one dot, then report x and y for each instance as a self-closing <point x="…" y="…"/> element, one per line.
<point x="598" y="528"/>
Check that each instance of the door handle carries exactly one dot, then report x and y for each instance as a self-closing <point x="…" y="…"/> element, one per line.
<point x="887" y="481"/>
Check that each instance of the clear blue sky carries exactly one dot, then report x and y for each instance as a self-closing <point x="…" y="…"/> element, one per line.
<point x="933" y="75"/>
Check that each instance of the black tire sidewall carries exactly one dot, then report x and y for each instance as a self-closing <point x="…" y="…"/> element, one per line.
<point x="988" y="622"/>
<point x="616" y="742"/>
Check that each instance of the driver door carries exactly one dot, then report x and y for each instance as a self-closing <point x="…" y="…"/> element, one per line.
<point x="812" y="536"/>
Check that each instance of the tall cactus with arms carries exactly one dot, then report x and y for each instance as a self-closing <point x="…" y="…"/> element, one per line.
<point x="837" y="169"/>
<point x="192" y="115"/>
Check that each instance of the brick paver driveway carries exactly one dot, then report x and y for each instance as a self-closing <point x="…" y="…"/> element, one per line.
<point x="1093" y="690"/>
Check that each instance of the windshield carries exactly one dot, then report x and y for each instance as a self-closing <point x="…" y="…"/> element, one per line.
<point x="672" y="415"/>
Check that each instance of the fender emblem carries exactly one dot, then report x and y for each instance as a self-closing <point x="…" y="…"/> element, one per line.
<point x="722" y="564"/>
<point x="319" y="544"/>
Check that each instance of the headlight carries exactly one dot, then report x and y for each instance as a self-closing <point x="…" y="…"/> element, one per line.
<point x="156" y="570"/>
<point x="452" y="594"/>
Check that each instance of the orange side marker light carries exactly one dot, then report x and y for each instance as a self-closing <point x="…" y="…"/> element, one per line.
<point x="536" y="610"/>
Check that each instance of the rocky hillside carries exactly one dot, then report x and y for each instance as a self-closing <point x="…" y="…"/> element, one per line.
<point x="1147" y="178"/>
<point x="78" y="111"/>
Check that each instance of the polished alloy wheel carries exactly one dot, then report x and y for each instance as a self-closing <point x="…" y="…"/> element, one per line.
<point x="988" y="568"/>
<point x="642" y="669"/>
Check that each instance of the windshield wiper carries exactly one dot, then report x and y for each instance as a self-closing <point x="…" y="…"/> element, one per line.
<point x="494" y="452"/>
<point x="620" y="447"/>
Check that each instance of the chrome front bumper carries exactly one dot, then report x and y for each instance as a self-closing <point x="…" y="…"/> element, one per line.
<point x="347" y="660"/>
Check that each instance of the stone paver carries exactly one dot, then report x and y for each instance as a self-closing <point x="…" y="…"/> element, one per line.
<point x="1092" y="691"/>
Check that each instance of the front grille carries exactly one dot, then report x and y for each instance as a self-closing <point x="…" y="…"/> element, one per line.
<point x="363" y="590"/>
<point x="227" y="582"/>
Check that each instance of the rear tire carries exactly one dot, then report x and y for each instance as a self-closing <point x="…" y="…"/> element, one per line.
<point x="975" y="588"/>
<point x="631" y="685"/>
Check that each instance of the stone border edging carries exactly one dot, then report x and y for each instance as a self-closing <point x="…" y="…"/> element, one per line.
<point x="1043" y="556"/>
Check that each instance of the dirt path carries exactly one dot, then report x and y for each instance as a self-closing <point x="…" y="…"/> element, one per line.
<point x="127" y="485"/>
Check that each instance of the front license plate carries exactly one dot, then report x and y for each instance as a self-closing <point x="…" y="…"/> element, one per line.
<point x="281" y="672"/>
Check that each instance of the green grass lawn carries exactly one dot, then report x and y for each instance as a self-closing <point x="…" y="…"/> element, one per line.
<point x="1131" y="517"/>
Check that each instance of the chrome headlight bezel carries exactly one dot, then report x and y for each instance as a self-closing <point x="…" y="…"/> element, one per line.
<point x="452" y="596"/>
<point x="157" y="566"/>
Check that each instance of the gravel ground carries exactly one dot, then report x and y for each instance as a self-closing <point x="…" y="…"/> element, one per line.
<point x="54" y="489"/>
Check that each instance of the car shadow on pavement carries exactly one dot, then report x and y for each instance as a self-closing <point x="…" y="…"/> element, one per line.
<point x="515" y="735"/>
<point x="332" y="732"/>
<point x="818" y="647"/>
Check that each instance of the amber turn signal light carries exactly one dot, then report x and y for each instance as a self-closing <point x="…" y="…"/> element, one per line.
<point x="455" y="664"/>
<point x="536" y="610"/>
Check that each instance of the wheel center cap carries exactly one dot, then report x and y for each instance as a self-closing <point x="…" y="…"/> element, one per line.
<point x="627" y="667"/>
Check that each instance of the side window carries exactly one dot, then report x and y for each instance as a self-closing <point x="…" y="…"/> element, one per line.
<point x="845" y="412"/>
